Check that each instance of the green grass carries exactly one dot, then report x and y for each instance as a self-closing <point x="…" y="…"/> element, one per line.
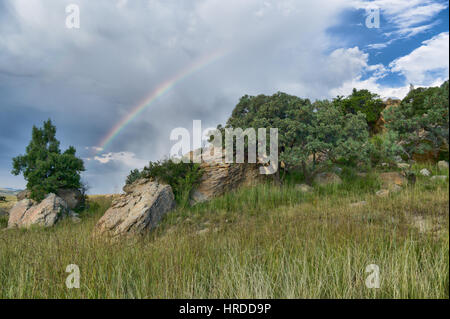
<point x="261" y="242"/>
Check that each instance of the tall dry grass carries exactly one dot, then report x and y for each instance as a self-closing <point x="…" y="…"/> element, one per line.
<point x="263" y="242"/>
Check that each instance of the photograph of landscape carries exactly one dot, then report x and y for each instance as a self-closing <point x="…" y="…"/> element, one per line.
<point x="208" y="150"/>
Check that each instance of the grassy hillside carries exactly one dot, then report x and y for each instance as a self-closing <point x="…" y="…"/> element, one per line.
<point x="263" y="242"/>
<point x="5" y="206"/>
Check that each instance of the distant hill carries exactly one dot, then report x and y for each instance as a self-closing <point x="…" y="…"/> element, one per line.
<point x="9" y="191"/>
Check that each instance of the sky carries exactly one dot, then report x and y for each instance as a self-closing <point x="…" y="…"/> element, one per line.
<point x="146" y="67"/>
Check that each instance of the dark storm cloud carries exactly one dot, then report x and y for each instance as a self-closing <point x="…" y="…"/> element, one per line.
<point x="88" y="79"/>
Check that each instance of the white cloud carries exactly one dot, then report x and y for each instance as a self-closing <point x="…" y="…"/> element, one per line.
<point x="425" y="66"/>
<point x="126" y="158"/>
<point x="404" y="18"/>
<point x="427" y="63"/>
<point x="404" y="13"/>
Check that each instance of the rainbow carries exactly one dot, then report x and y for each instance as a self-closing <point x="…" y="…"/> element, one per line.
<point x="156" y="93"/>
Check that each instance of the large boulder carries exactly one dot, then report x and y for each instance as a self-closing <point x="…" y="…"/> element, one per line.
<point x="137" y="211"/>
<point x="73" y="197"/>
<point x="23" y="195"/>
<point x="219" y="177"/>
<point x="46" y="213"/>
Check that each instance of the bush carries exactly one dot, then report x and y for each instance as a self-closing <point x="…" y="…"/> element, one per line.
<point x="383" y="148"/>
<point x="182" y="177"/>
<point x="133" y="176"/>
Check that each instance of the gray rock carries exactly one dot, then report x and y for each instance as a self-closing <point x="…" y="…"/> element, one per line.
<point x="425" y="172"/>
<point x="442" y="165"/>
<point x="382" y="193"/>
<point x="23" y="195"/>
<point x="395" y="188"/>
<point x="393" y="178"/>
<point x="73" y="197"/>
<point x="219" y="177"/>
<point x="27" y="213"/>
<point x="138" y="211"/>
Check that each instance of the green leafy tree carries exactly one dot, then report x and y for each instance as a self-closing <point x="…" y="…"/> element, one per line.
<point x="44" y="167"/>
<point x="384" y="148"/>
<point x="182" y="177"/>
<point x="362" y="101"/>
<point x="311" y="136"/>
<point x="421" y="120"/>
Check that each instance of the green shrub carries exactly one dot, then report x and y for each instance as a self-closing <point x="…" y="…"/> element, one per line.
<point x="421" y="120"/>
<point x="383" y="148"/>
<point x="133" y="176"/>
<point x="182" y="177"/>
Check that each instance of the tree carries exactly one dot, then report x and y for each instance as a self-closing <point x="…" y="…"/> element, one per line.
<point x="362" y="101"/>
<point x="44" y="167"/>
<point x="421" y="120"/>
<point x="311" y="136"/>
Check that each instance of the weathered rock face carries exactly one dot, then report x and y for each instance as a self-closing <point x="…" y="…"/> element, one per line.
<point x="380" y="124"/>
<point x="137" y="211"/>
<point x="46" y="213"/>
<point x="73" y="197"/>
<point x="23" y="194"/>
<point x="219" y="178"/>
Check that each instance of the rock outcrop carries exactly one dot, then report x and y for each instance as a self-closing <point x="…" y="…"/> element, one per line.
<point x="23" y="195"/>
<point x="137" y="211"/>
<point x="46" y="213"/>
<point x="73" y="197"/>
<point x="220" y="177"/>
